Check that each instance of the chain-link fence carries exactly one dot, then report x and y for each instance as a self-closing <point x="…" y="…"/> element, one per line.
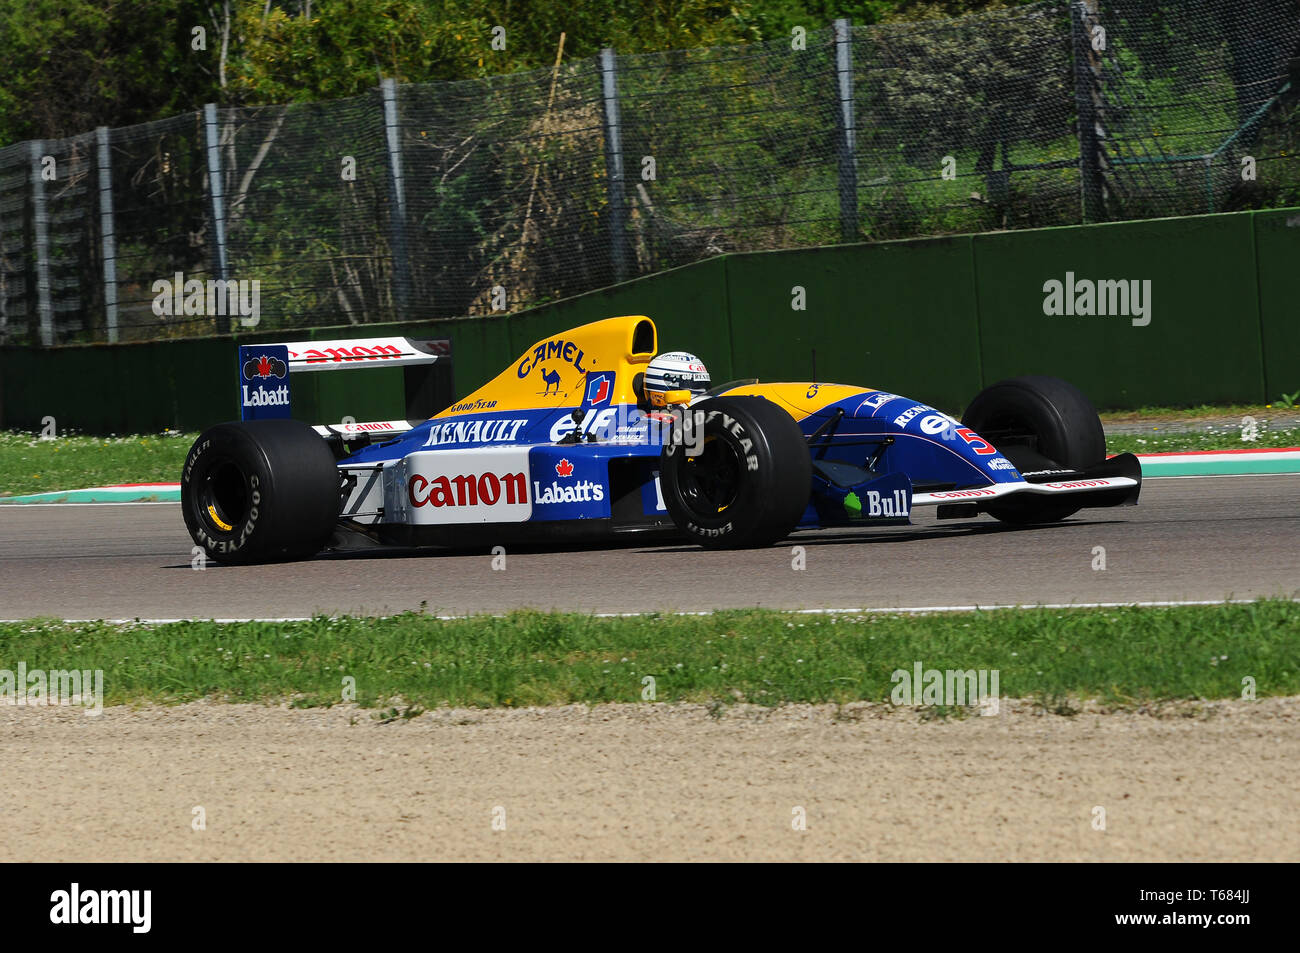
<point x="1195" y="106"/>
<point x="446" y="199"/>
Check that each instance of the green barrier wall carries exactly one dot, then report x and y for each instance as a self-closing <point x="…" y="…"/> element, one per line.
<point x="898" y="315"/>
<point x="190" y="384"/>
<point x="936" y="319"/>
<point x="138" y="388"/>
<point x="1202" y="343"/>
<point x="1277" y="249"/>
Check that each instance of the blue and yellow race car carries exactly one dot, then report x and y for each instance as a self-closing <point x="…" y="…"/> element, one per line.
<point x="593" y="434"/>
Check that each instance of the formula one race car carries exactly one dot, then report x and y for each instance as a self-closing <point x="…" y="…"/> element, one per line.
<point x="589" y="435"/>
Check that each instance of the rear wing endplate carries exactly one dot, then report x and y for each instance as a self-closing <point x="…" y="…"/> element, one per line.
<point x="264" y="370"/>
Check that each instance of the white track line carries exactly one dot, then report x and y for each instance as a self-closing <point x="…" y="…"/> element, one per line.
<point x="879" y="610"/>
<point x="926" y="610"/>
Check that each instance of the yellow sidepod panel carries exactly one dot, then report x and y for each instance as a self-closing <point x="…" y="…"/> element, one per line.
<point x="553" y="372"/>
<point x="800" y="400"/>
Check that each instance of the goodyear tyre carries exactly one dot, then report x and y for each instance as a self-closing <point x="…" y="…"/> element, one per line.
<point x="1036" y="418"/>
<point x="749" y="482"/>
<point x="260" y="490"/>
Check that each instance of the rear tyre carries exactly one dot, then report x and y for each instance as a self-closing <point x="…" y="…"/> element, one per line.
<point x="749" y="484"/>
<point x="259" y="491"/>
<point x="1032" y="418"/>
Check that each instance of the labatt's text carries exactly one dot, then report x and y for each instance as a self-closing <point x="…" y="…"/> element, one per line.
<point x="584" y="491"/>
<point x="268" y="397"/>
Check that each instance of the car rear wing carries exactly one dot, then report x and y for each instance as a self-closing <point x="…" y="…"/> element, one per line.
<point x="351" y="430"/>
<point x="364" y="352"/>
<point x="265" y="370"/>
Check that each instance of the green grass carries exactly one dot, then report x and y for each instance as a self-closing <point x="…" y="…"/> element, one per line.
<point x="1159" y="440"/>
<point x="1191" y="414"/>
<point x="31" y="465"/>
<point x="1118" y="656"/>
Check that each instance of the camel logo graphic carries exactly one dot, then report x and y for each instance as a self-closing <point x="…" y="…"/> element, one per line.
<point x="552" y="379"/>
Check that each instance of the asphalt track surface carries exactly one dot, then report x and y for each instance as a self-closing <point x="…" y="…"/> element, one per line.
<point x="1189" y="539"/>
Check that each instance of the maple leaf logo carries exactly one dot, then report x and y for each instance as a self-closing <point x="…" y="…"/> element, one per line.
<point x="264" y="366"/>
<point x="564" y="468"/>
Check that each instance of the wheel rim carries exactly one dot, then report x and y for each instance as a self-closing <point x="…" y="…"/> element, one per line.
<point x="710" y="482"/>
<point x="223" y="499"/>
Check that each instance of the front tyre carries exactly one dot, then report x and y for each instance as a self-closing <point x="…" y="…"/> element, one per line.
<point x="1037" y="423"/>
<point x="750" y="482"/>
<point x="260" y="490"/>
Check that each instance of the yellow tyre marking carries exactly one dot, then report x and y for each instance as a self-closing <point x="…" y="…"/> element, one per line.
<point x="212" y="511"/>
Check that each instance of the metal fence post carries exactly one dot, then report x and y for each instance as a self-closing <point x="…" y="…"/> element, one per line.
<point x="1088" y="104"/>
<point x="216" y="195"/>
<point x="397" y="195"/>
<point x="846" y="145"/>
<point x="41" y="243"/>
<point x="614" y="165"/>
<point x="108" y="238"/>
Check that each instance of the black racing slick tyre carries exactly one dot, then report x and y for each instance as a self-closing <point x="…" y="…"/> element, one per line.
<point x="1036" y="421"/>
<point x="259" y="491"/>
<point x="750" y="481"/>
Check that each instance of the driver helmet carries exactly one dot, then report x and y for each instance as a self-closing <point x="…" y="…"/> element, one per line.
<point x="676" y="370"/>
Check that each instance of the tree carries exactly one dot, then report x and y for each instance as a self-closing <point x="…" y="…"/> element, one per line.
<point x="71" y="65"/>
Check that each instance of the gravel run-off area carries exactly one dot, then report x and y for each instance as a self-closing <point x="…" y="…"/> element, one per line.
<point x="1185" y="781"/>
